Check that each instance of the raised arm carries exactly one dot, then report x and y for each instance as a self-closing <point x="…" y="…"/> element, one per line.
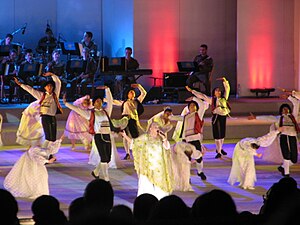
<point x="83" y="112"/>
<point x="295" y="103"/>
<point x="109" y="101"/>
<point x="226" y="87"/>
<point x="267" y="139"/>
<point x="199" y="95"/>
<point x="57" y="83"/>
<point x="143" y="93"/>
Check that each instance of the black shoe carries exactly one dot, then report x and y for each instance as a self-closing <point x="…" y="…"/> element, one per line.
<point x="286" y="175"/>
<point x="127" y="157"/>
<point x="94" y="175"/>
<point x="281" y="170"/>
<point x="223" y="152"/>
<point x="202" y="176"/>
<point x="218" y="156"/>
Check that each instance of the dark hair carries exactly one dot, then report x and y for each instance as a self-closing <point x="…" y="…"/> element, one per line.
<point x="8" y="208"/>
<point x="97" y="97"/>
<point x="89" y="34"/>
<point x="49" y="82"/>
<point x="203" y="46"/>
<point x="254" y="145"/>
<point x="13" y="51"/>
<point x="28" y="50"/>
<point x="128" y="48"/>
<point x="284" y="106"/>
<point x="197" y="106"/>
<point x="10" y="36"/>
<point x="56" y="51"/>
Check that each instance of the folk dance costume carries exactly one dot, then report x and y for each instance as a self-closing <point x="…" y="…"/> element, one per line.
<point x="100" y="126"/>
<point x="182" y="154"/>
<point x="49" y="107"/>
<point x="192" y="129"/>
<point x="132" y="108"/>
<point x="220" y="111"/>
<point x="243" y="165"/>
<point x="152" y="162"/>
<point x="77" y="127"/>
<point x="288" y="137"/>
<point x="164" y="126"/>
<point x="30" y="131"/>
<point x="29" y="177"/>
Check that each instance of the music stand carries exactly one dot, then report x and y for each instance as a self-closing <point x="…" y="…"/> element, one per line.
<point x="29" y="69"/>
<point x="116" y="64"/>
<point x="70" y="48"/>
<point x="187" y="66"/>
<point x="76" y="66"/>
<point x="4" y="50"/>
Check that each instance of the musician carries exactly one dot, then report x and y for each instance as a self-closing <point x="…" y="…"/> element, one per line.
<point x="87" y="42"/>
<point x="205" y="66"/>
<point x="122" y="83"/>
<point x="82" y="77"/>
<point x="47" y="44"/>
<point x="57" y="67"/>
<point x="8" y="40"/>
<point x="9" y="64"/>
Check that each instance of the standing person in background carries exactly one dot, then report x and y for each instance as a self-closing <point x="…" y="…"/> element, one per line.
<point x="205" y="66"/>
<point x="220" y="111"/>
<point x="132" y="108"/>
<point x="49" y="104"/>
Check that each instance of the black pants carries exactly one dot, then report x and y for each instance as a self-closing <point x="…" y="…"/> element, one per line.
<point x="50" y="127"/>
<point x="289" y="148"/>
<point x="132" y="128"/>
<point x="103" y="144"/>
<point x="219" y="126"/>
<point x="197" y="145"/>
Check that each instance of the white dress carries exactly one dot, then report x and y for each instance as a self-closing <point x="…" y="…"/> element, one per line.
<point x="29" y="177"/>
<point x="77" y="127"/>
<point x="181" y="165"/>
<point x="243" y="165"/>
<point x="30" y="131"/>
<point x="1" y="121"/>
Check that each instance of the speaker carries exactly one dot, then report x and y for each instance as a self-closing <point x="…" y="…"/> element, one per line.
<point x="155" y="93"/>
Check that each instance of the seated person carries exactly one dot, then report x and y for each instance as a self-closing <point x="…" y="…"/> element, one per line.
<point x="57" y="67"/>
<point x="122" y="83"/>
<point x="87" y="42"/>
<point x="9" y="69"/>
<point x="47" y="44"/>
<point x="205" y="66"/>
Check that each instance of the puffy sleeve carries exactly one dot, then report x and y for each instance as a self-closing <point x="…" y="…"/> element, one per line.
<point x="38" y="155"/>
<point x="202" y="96"/>
<point x="267" y="139"/>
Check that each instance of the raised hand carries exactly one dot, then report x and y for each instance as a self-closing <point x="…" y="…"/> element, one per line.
<point x="17" y="81"/>
<point x="134" y="85"/>
<point x="188" y="88"/>
<point x="252" y="116"/>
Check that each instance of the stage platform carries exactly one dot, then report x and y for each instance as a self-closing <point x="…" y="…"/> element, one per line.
<point x="238" y="126"/>
<point x="69" y="176"/>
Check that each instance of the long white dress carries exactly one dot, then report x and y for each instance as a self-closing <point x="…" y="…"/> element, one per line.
<point x="29" y="177"/>
<point x="77" y="127"/>
<point x="30" y="131"/>
<point x="243" y="165"/>
<point x="1" y="121"/>
<point x="181" y="165"/>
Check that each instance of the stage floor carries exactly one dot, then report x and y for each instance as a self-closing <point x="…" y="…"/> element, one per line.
<point x="69" y="176"/>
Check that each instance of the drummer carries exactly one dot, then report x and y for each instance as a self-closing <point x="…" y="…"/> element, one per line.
<point x="47" y="44"/>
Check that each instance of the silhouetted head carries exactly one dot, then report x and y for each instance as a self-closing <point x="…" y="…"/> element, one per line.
<point x="8" y="208"/>
<point x="143" y="206"/>
<point x="121" y="214"/>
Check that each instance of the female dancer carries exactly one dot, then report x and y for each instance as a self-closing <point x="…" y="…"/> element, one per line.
<point x="77" y="127"/>
<point x="152" y="162"/>
<point x="220" y="110"/>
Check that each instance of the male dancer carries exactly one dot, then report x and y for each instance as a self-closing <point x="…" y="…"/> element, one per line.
<point x="49" y="105"/>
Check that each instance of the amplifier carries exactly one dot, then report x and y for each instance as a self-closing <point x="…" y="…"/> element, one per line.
<point x="176" y="79"/>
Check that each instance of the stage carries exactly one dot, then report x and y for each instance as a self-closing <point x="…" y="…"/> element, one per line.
<point x="69" y="176"/>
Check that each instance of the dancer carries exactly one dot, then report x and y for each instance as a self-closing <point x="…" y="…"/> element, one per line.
<point x="100" y="127"/>
<point x="192" y="128"/>
<point x="132" y="108"/>
<point x="152" y="162"/>
<point x="243" y="165"/>
<point x="30" y="131"/>
<point x="220" y="111"/>
<point x="49" y="104"/>
<point x="182" y="155"/>
<point x="77" y="127"/>
<point x="288" y="138"/>
<point x="29" y="177"/>
<point x="163" y="120"/>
